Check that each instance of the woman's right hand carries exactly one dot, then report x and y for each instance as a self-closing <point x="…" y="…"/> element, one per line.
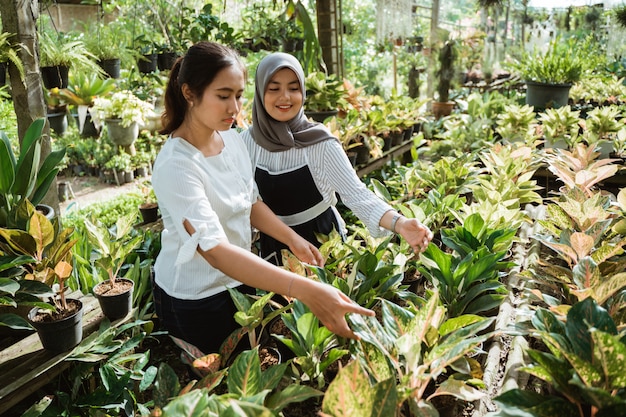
<point x="328" y="304"/>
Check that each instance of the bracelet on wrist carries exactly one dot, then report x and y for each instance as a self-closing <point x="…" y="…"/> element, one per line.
<point x="395" y="219"/>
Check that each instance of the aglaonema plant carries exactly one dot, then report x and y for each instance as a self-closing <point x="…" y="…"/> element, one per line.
<point x="584" y="366"/>
<point x="25" y="177"/>
<point x="587" y="235"/>
<point x="468" y="277"/>
<point x="406" y="358"/>
<point x="253" y="317"/>
<point x="251" y="391"/>
<point x="315" y="347"/>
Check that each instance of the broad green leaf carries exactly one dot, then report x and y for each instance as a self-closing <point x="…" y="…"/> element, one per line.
<point x="192" y="404"/>
<point x="167" y="387"/>
<point x="351" y="394"/>
<point x="293" y="393"/>
<point x="244" y="377"/>
<point x="7" y="161"/>
<point x="458" y="389"/>
<point x="527" y="403"/>
<point x="580" y="318"/>
<point x="9" y="286"/>
<point x="611" y="353"/>
<point x="14" y="321"/>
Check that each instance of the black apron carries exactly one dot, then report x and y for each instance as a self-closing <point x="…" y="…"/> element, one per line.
<point x="288" y="194"/>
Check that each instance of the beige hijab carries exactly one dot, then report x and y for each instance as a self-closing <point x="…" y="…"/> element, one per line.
<point x="278" y="136"/>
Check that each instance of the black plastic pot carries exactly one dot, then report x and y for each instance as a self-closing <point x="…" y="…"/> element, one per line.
<point x="114" y="306"/>
<point x="165" y="60"/>
<point x="149" y="212"/>
<point x="56" y="76"/>
<point x="58" y="122"/>
<point x="89" y="128"/>
<point x="147" y="63"/>
<point x="60" y="335"/>
<point x="320" y="116"/>
<point x="542" y="96"/>
<point x="111" y="67"/>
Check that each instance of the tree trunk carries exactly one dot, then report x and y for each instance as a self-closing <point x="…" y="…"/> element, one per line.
<point x="432" y="59"/>
<point x="20" y="17"/>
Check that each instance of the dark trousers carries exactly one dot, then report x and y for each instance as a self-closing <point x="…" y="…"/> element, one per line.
<point x="205" y="323"/>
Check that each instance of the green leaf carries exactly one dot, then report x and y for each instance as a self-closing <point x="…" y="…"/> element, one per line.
<point x="7" y="162"/>
<point x="244" y="377"/>
<point x="580" y="318"/>
<point x="527" y="403"/>
<point x="9" y="286"/>
<point x="192" y="404"/>
<point x="166" y="387"/>
<point x="351" y="394"/>
<point x="611" y="353"/>
<point x="14" y="321"/>
<point x="293" y="393"/>
<point x="458" y="389"/>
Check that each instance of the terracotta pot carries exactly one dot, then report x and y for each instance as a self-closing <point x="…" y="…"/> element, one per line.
<point x="441" y="109"/>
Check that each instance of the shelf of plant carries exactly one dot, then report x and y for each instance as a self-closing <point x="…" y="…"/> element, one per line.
<point x="26" y="367"/>
<point x="375" y="164"/>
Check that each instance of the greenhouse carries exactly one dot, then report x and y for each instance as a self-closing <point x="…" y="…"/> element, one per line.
<point x="410" y="208"/>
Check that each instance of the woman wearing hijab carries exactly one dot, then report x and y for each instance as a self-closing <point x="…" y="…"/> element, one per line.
<point x="300" y="167"/>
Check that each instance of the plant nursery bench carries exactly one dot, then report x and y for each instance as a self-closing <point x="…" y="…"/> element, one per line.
<point x="25" y="366"/>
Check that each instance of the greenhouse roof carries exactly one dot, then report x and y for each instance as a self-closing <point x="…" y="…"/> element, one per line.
<point x="555" y="4"/>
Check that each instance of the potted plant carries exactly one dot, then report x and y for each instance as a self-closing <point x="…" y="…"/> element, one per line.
<point x="109" y="48"/>
<point x="324" y="94"/>
<point x="25" y="178"/>
<point x="58" y="54"/>
<point x="48" y="249"/>
<point x="445" y="76"/>
<point x="147" y="58"/>
<point x="123" y="113"/>
<point x="8" y="55"/>
<point x="81" y="91"/>
<point x="120" y="165"/>
<point x="56" y="111"/>
<point x="149" y="209"/>
<point x="113" y="247"/>
<point x="549" y="75"/>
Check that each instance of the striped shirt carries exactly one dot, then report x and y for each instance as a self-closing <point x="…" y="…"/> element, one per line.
<point x="333" y="174"/>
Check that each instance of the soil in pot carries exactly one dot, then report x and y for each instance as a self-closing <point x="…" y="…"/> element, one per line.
<point x="269" y="356"/>
<point x="61" y="330"/>
<point x="115" y="300"/>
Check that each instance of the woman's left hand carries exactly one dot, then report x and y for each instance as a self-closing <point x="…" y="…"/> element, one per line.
<point x="306" y="252"/>
<point x="415" y="233"/>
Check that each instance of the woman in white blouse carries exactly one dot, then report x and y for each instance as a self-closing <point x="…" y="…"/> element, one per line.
<point x="206" y="192"/>
<point x="300" y="167"/>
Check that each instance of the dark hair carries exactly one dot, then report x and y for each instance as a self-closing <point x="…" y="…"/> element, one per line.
<point x="197" y="68"/>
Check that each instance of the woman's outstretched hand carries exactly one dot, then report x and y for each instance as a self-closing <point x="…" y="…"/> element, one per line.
<point x="329" y="305"/>
<point x="306" y="252"/>
<point x="415" y="233"/>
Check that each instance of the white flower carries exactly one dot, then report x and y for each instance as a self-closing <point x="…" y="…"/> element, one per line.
<point x="122" y="105"/>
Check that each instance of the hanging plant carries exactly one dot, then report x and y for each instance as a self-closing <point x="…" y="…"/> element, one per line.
<point x="620" y="15"/>
<point x="489" y="3"/>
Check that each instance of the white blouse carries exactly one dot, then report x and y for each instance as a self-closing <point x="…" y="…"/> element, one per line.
<point x="215" y="194"/>
<point x="332" y="173"/>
